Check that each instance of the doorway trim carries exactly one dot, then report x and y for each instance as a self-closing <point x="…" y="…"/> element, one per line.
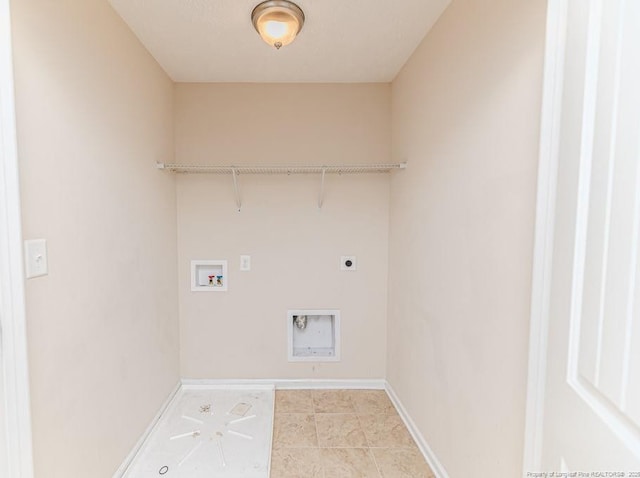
<point x="553" y="82"/>
<point x="13" y="336"/>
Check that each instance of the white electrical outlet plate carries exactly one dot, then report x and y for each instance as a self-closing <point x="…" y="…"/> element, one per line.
<point x="35" y="254"/>
<point x="348" y="263"/>
<point x="245" y="263"/>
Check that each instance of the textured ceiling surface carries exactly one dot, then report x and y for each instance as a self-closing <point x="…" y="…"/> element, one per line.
<point x="341" y="41"/>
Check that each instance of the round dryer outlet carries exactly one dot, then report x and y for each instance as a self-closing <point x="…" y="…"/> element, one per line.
<point x="348" y="263"/>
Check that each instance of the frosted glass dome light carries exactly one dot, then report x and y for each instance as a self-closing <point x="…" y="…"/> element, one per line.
<point x="277" y="21"/>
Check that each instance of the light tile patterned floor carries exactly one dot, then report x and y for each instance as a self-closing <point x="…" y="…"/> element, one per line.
<point x="342" y="434"/>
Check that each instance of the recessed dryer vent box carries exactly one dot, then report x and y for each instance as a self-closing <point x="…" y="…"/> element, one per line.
<point x="209" y="276"/>
<point x="314" y="335"/>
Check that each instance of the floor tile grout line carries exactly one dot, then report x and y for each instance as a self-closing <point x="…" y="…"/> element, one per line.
<point x="366" y="438"/>
<point x="320" y="462"/>
<point x="315" y="424"/>
<point x="375" y="462"/>
<point x="358" y="412"/>
<point x="369" y="449"/>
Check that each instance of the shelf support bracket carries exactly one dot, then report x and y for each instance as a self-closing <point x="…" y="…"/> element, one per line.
<point x="236" y="189"/>
<point x="321" y="196"/>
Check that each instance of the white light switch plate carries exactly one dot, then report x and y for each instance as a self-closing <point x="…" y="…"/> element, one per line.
<point x="245" y="263"/>
<point x="35" y="252"/>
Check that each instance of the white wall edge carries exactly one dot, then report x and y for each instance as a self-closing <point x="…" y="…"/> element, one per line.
<point x="289" y="384"/>
<point x="431" y="458"/>
<point x="16" y="454"/>
<point x="544" y="231"/>
<point x="143" y="438"/>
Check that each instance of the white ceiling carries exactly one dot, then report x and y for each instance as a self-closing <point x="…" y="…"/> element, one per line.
<point x="341" y="41"/>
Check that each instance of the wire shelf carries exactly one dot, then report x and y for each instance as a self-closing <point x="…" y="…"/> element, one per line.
<point x="290" y="169"/>
<point x="236" y="171"/>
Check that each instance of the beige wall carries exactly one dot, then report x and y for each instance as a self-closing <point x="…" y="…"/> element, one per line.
<point x="94" y="113"/>
<point x="294" y="247"/>
<point x="466" y="109"/>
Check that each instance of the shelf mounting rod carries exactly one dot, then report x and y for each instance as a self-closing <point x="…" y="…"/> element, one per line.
<point x="321" y="196"/>
<point x="236" y="189"/>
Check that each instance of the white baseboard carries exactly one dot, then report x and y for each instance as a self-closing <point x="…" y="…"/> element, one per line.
<point x="426" y="450"/>
<point x="134" y="451"/>
<point x="288" y="384"/>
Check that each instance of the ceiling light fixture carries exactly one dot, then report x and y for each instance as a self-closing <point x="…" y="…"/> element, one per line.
<point x="278" y="21"/>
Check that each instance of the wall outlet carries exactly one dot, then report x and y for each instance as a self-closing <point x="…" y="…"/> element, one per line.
<point x="348" y="263"/>
<point x="245" y="263"/>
